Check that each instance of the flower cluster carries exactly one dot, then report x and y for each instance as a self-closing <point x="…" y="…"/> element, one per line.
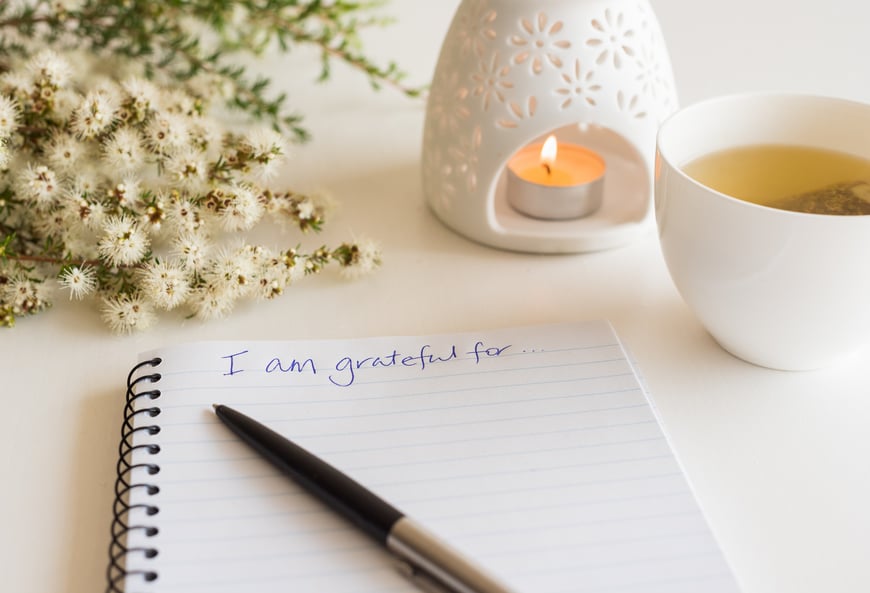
<point x="131" y="192"/>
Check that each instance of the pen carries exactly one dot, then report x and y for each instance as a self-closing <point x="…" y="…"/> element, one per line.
<point x="422" y="557"/>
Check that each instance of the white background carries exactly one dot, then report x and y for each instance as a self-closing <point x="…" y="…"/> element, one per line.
<point x="779" y="460"/>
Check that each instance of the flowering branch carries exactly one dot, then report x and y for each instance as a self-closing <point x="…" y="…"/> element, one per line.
<point x="125" y="189"/>
<point x="180" y="40"/>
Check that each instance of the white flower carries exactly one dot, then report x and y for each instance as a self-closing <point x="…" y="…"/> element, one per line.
<point x="51" y="223"/>
<point x="127" y="191"/>
<point x="25" y="295"/>
<point x="272" y="283"/>
<point x="240" y="210"/>
<point x="305" y="209"/>
<point x="267" y="150"/>
<point x="126" y="313"/>
<point x="64" y="153"/>
<point x="264" y="141"/>
<point x="165" y="284"/>
<point x="124" y="151"/>
<point x="191" y="249"/>
<point x="85" y="183"/>
<point x="183" y="216"/>
<point x="49" y="68"/>
<point x="92" y="214"/>
<point x="167" y="132"/>
<point x="123" y="242"/>
<point x="364" y="261"/>
<point x="177" y="101"/>
<point x="274" y="277"/>
<point x="233" y="271"/>
<point x="295" y="265"/>
<point x="9" y="114"/>
<point x="39" y="184"/>
<point x="211" y="301"/>
<point x="141" y="93"/>
<point x="88" y="179"/>
<point x="94" y="115"/>
<point x="16" y="83"/>
<point x="187" y="167"/>
<point x="207" y="136"/>
<point x="4" y="154"/>
<point x="65" y="103"/>
<point x="106" y="86"/>
<point x="79" y="280"/>
<point x="256" y="254"/>
<point x="153" y="216"/>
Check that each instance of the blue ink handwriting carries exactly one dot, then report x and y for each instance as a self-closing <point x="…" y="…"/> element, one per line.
<point x="345" y="370"/>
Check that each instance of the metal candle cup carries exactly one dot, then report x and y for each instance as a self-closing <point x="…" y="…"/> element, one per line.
<point x="559" y="186"/>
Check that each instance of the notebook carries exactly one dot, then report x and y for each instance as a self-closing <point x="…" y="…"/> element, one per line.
<point x="532" y="450"/>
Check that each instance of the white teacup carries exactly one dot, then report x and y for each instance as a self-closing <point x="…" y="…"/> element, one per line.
<point x="781" y="289"/>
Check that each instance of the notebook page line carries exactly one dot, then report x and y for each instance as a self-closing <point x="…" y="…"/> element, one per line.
<point x="327" y="435"/>
<point x="475" y="439"/>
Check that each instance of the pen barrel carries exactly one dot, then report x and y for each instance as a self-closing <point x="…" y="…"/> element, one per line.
<point x="358" y="504"/>
<point x="437" y="561"/>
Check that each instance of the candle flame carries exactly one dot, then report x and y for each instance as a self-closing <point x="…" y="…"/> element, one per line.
<point x="549" y="150"/>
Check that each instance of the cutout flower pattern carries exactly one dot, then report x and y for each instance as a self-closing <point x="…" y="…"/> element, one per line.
<point x="537" y="44"/>
<point x="439" y="173"/>
<point x="613" y="39"/>
<point x="474" y="29"/>
<point x="447" y="104"/>
<point x="630" y="105"/>
<point x="491" y="81"/>
<point x="652" y="77"/>
<point x="464" y="159"/>
<point x="519" y="111"/>
<point x="579" y="86"/>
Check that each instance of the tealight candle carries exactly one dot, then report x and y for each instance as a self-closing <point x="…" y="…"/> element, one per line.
<point x="555" y="181"/>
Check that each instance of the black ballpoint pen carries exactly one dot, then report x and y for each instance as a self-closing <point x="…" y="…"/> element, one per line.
<point x="423" y="558"/>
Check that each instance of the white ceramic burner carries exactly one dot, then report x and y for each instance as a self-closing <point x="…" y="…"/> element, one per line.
<point x="511" y="72"/>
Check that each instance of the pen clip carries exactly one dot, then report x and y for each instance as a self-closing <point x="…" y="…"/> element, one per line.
<point x="421" y="579"/>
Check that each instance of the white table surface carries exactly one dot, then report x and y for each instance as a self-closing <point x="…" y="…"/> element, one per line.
<point x="780" y="461"/>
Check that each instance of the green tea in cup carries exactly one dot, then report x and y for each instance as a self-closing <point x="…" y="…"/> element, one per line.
<point x="789" y="177"/>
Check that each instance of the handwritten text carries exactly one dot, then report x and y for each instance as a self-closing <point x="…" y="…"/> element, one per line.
<point x="344" y="372"/>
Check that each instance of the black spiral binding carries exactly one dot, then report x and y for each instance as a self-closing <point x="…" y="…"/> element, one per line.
<point x="118" y="550"/>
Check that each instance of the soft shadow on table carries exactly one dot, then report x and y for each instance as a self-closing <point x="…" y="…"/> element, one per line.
<point x="397" y="193"/>
<point x="81" y="319"/>
<point x="89" y="502"/>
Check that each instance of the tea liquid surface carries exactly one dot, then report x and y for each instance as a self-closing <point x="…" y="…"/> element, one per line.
<point x="799" y="178"/>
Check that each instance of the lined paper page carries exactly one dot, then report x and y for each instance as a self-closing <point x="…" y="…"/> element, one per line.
<point x="532" y="450"/>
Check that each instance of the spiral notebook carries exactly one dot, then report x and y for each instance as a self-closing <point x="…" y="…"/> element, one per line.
<point x="534" y="451"/>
